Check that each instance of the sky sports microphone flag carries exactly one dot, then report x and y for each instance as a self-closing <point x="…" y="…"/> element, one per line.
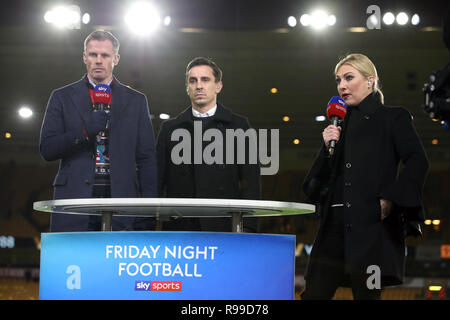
<point x="167" y="266"/>
<point x="102" y="97"/>
<point x="336" y="110"/>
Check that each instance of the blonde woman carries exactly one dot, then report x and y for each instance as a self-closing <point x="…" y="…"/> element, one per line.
<point x="366" y="205"/>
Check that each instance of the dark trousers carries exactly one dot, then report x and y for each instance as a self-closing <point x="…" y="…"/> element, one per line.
<point x="327" y="273"/>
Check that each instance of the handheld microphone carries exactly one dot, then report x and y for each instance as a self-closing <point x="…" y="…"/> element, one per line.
<point x="336" y="110"/>
<point x="102" y="97"/>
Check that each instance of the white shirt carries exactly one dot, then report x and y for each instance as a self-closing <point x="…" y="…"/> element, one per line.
<point x="208" y="113"/>
<point x="93" y="84"/>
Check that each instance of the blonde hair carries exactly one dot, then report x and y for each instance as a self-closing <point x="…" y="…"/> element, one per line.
<point x="366" y="67"/>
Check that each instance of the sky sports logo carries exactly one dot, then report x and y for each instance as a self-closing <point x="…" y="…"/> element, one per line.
<point x="157" y="286"/>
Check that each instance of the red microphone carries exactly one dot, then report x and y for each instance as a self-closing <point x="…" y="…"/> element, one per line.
<point x="102" y="97"/>
<point x="336" y="110"/>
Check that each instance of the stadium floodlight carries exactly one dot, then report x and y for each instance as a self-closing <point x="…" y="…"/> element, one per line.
<point x="86" y="18"/>
<point x="402" y="18"/>
<point x="25" y="112"/>
<point x="331" y="20"/>
<point x="167" y="20"/>
<point x="319" y="19"/>
<point x="68" y="17"/>
<point x="372" y="22"/>
<point x="305" y="20"/>
<point x="320" y="118"/>
<point x="292" y="21"/>
<point x="142" y="18"/>
<point x="415" y="19"/>
<point x="164" y="116"/>
<point x="388" y="18"/>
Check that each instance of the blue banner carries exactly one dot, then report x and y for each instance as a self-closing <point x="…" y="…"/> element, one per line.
<point x="167" y="265"/>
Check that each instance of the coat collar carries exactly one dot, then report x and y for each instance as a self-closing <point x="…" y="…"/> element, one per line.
<point x="369" y="104"/>
<point x="114" y="82"/>
<point x="82" y="101"/>
<point x="81" y="98"/>
<point x="222" y="115"/>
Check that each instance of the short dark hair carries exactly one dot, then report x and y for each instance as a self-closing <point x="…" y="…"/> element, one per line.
<point x="201" y="61"/>
<point x="101" y="35"/>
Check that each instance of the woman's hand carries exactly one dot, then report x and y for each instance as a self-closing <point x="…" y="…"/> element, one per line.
<point x="331" y="133"/>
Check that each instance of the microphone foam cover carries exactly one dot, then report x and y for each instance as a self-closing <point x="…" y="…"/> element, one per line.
<point x="336" y="107"/>
<point x="102" y="94"/>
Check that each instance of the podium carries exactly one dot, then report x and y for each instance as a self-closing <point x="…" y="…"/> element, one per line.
<point x="168" y="265"/>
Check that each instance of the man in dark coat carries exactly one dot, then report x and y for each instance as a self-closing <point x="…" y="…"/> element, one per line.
<point x="366" y="205"/>
<point x="196" y="177"/>
<point x="71" y="131"/>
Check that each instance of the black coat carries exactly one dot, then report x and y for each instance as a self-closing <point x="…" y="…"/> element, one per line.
<point x="221" y="181"/>
<point x="131" y="147"/>
<point x="374" y="140"/>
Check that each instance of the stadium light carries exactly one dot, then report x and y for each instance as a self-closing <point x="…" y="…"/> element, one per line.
<point x="25" y="112"/>
<point x="319" y="19"/>
<point x="292" y="21"/>
<point x="436" y="222"/>
<point x="331" y="20"/>
<point x="388" y="18"/>
<point x="142" y="18"/>
<point x="86" y="18"/>
<point x="402" y="18"/>
<point x="320" y="118"/>
<point x="167" y="20"/>
<point x="305" y="20"/>
<point x="372" y="22"/>
<point x="415" y="19"/>
<point x="164" y="116"/>
<point x="64" y="17"/>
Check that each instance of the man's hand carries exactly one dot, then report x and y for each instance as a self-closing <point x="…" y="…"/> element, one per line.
<point x="96" y="123"/>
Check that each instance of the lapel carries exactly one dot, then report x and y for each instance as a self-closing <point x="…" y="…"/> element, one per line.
<point x="365" y="111"/>
<point x="370" y="104"/>
<point x="185" y="118"/>
<point x="340" y="146"/>
<point x="81" y="99"/>
<point x="367" y="108"/>
<point x="222" y="115"/>
<point x="117" y="104"/>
